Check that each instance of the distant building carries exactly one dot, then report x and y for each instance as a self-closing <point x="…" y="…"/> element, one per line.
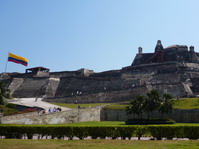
<point x="178" y="53"/>
<point x="38" y="71"/>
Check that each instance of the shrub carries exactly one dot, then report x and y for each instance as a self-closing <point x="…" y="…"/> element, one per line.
<point x="104" y="132"/>
<point x="168" y="132"/>
<point x="61" y="131"/>
<point x="190" y="132"/>
<point x="140" y="131"/>
<point x="80" y="132"/>
<point x="150" y="121"/>
<point x="94" y="132"/>
<point x="10" y="105"/>
<point x="126" y="132"/>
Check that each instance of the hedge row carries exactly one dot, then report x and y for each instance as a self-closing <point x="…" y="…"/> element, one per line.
<point x="113" y="132"/>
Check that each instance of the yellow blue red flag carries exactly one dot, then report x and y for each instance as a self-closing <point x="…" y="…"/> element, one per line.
<point x="17" y="59"/>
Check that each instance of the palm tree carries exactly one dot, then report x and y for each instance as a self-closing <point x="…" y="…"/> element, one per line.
<point x="152" y="102"/>
<point x="166" y="105"/>
<point x="137" y="106"/>
<point x="4" y="93"/>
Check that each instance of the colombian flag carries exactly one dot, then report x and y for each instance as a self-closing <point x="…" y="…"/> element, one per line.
<point x="17" y="59"/>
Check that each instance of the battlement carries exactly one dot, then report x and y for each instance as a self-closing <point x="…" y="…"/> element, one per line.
<point x="178" y="53"/>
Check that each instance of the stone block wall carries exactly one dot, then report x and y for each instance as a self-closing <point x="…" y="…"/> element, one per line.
<point x="93" y="114"/>
<point x="32" y="87"/>
<point x="180" y="116"/>
<point x="103" y="97"/>
<point x="179" y="79"/>
<point x="71" y="116"/>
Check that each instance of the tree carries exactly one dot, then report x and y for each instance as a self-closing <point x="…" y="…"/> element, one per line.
<point x="137" y="106"/>
<point x="152" y="102"/>
<point x="4" y="93"/>
<point x="166" y="105"/>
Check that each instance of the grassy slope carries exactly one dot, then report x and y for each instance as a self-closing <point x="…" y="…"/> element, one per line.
<point x="7" y="110"/>
<point x="187" y="103"/>
<point x="117" y="123"/>
<point x="107" y="123"/>
<point x="96" y="144"/>
<point x="109" y="105"/>
<point x="81" y="105"/>
<point x="184" y="103"/>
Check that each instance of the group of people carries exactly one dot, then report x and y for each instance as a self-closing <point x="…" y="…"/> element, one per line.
<point x="50" y="110"/>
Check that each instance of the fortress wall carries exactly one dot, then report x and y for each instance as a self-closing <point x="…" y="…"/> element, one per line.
<point x="74" y="86"/>
<point x="94" y="114"/>
<point x="51" y="87"/>
<point x="103" y="97"/>
<point x="180" y="116"/>
<point x="31" y="87"/>
<point x="15" y="84"/>
<point x="176" y="90"/>
<point x="169" y="77"/>
<point x="63" y="74"/>
<point x="101" y="89"/>
<point x="76" y="115"/>
<point x="107" y="74"/>
<point x="18" y="118"/>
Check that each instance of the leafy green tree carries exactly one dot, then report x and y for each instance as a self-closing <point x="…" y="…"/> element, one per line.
<point x="166" y="105"/>
<point x="4" y="93"/>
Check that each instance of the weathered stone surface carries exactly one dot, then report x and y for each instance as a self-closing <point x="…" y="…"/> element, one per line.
<point x="71" y="116"/>
<point x="94" y="114"/>
<point x="180" y="116"/>
<point x="32" y="87"/>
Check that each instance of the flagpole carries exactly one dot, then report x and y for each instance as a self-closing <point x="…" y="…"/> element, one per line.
<point x="6" y="65"/>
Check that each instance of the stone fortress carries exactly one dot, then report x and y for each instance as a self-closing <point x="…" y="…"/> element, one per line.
<point x="173" y="70"/>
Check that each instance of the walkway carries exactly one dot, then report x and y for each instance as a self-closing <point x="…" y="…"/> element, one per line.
<point x="32" y="102"/>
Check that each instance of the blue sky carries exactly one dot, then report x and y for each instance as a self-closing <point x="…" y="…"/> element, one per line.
<point x="100" y="35"/>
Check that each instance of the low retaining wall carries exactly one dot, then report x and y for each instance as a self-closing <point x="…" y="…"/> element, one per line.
<point x="71" y="116"/>
<point x="1" y="115"/>
<point x="93" y="114"/>
<point x="180" y="116"/>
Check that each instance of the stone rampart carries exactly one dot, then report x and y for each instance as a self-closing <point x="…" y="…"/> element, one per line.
<point x="32" y="87"/>
<point x="179" y="79"/>
<point x="103" y="97"/>
<point x="71" y="116"/>
<point x="15" y="84"/>
<point x="180" y="116"/>
<point x="94" y="114"/>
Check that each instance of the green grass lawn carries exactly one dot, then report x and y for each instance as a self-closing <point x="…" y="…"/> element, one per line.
<point x="109" y="105"/>
<point x="111" y="123"/>
<point x="187" y="103"/>
<point x="117" y="123"/>
<point x="7" y="110"/>
<point x="96" y="123"/>
<point x="73" y="106"/>
<point x="183" y="103"/>
<point x="96" y="144"/>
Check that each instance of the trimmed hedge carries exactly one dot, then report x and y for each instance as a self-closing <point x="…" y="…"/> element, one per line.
<point x="158" y="132"/>
<point x="149" y="121"/>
